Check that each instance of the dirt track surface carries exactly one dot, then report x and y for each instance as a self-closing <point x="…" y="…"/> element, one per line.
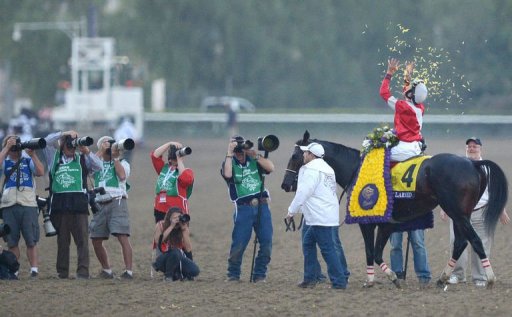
<point x="211" y="224"/>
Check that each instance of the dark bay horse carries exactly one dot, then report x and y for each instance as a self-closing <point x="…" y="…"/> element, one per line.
<point x="453" y="182"/>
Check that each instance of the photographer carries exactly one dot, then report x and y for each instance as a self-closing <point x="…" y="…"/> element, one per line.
<point x="171" y="236"/>
<point x="112" y="216"/>
<point x="69" y="207"/>
<point x="175" y="182"/>
<point x="18" y="204"/>
<point x="242" y="169"/>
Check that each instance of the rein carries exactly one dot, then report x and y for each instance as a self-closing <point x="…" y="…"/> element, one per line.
<point x="348" y="185"/>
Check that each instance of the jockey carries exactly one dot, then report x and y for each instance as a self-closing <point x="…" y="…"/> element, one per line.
<point x="408" y="113"/>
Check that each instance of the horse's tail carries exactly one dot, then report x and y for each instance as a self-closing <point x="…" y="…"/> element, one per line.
<point x="497" y="186"/>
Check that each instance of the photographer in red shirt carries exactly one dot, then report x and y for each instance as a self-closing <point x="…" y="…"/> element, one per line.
<point x="175" y="182"/>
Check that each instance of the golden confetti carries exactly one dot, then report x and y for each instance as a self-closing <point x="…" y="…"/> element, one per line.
<point x="429" y="63"/>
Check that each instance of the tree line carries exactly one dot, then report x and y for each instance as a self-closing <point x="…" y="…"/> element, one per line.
<point x="325" y="55"/>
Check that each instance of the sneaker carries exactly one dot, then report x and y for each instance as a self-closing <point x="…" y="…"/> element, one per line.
<point x="259" y="279"/>
<point x="125" y="276"/>
<point x="480" y="283"/>
<point x="337" y="287"/>
<point x="82" y="277"/>
<point x="33" y="274"/>
<point x="306" y="284"/>
<point x="455" y="280"/>
<point x="62" y="276"/>
<point x="105" y="275"/>
<point x="232" y="279"/>
<point x="168" y="279"/>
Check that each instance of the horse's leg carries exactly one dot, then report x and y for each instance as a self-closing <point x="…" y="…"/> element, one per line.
<point x="463" y="226"/>
<point x="478" y="248"/>
<point x="459" y="244"/>
<point x="368" y="232"/>
<point x="384" y="230"/>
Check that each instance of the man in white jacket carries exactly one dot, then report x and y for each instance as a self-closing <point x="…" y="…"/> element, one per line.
<point x="316" y="199"/>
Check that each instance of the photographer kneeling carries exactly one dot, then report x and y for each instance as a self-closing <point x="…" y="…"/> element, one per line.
<point x="174" y="243"/>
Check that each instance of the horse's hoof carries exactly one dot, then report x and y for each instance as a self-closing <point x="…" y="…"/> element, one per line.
<point x="368" y="284"/>
<point x="440" y="283"/>
<point x="397" y="283"/>
<point x="490" y="285"/>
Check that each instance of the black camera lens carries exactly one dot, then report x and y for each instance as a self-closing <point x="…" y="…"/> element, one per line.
<point x="5" y="229"/>
<point x="184" y="218"/>
<point x="243" y="145"/>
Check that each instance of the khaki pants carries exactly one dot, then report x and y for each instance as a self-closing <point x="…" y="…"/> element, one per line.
<point x="477" y="270"/>
<point x="76" y="225"/>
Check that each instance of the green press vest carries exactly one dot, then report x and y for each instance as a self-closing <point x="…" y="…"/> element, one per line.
<point x="168" y="182"/>
<point x="247" y="179"/>
<point x="67" y="177"/>
<point x="107" y="175"/>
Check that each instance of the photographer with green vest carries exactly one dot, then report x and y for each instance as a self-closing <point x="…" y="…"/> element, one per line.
<point x="112" y="216"/>
<point x="175" y="182"/>
<point x="242" y="170"/>
<point x="69" y="206"/>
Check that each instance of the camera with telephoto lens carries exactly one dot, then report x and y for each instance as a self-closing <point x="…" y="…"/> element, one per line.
<point x="184" y="218"/>
<point x="174" y="152"/>
<point x="92" y="198"/>
<point x="242" y="144"/>
<point x="184" y="151"/>
<point x="4" y="229"/>
<point x="268" y="143"/>
<point x="42" y="204"/>
<point x="124" y="144"/>
<point x="83" y="141"/>
<point x="33" y="144"/>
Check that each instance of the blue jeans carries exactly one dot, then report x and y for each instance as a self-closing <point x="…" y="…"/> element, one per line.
<point x="421" y="266"/>
<point x="245" y="220"/>
<point x="323" y="237"/>
<point x="176" y="265"/>
<point x="339" y="250"/>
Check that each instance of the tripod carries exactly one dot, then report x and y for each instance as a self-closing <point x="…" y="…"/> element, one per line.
<point x="258" y="219"/>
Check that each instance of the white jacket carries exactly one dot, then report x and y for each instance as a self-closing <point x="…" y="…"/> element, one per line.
<point x="316" y="195"/>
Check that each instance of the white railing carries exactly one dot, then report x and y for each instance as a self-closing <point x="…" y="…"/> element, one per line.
<point x="320" y="118"/>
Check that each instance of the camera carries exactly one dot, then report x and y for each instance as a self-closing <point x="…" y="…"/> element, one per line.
<point x="184" y="151"/>
<point x="174" y="152"/>
<point x="5" y="229"/>
<point x="268" y="143"/>
<point x="124" y="144"/>
<point x="33" y="144"/>
<point x="42" y="204"/>
<point x="83" y="141"/>
<point x="184" y="218"/>
<point x="92" y="198"/>
<point x="242" y="144"/>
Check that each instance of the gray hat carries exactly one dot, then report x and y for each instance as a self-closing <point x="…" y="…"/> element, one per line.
<point x="474" y="139"/>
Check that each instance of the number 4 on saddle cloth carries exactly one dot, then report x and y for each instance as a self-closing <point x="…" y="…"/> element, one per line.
<point x="377" y="185"/>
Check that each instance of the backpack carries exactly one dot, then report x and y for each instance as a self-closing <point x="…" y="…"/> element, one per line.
<point x="9" y="265"/>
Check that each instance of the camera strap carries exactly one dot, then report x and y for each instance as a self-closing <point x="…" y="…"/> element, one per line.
<point x="9" y="173"/>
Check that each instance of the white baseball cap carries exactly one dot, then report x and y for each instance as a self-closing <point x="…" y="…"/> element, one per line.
<point x="315" y="148"/>
<point x="103" y="139"/>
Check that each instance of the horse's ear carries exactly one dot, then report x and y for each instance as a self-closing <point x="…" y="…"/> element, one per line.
<point x="305" y="138"/>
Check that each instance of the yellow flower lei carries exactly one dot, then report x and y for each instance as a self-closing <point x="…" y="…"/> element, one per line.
<point x="372" y="172"/>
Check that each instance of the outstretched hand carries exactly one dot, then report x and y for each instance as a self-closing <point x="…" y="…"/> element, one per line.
<point x="393" y="65"/>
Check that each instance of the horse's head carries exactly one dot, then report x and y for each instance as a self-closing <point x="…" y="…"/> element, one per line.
<point x="296" y="161"/>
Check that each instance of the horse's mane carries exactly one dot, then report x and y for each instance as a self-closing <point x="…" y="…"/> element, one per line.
<point x="342" y="159"/>
<point x="337" y="150"/>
